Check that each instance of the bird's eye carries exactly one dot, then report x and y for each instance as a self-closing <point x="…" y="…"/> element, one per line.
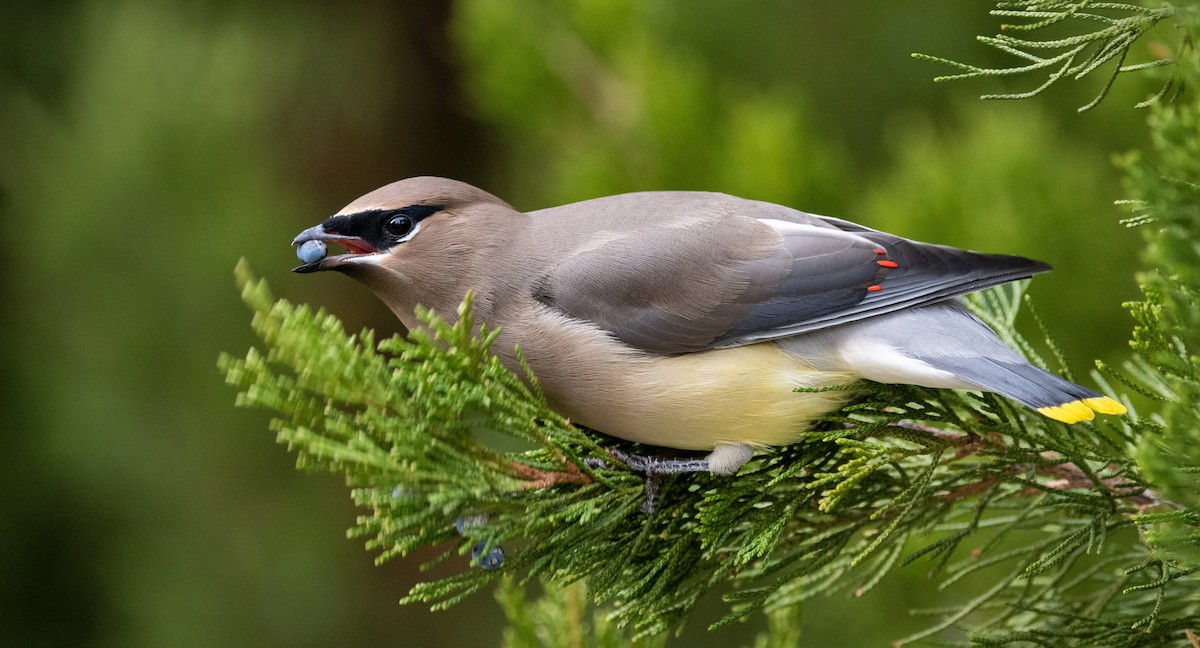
<point x="399" y="226"/>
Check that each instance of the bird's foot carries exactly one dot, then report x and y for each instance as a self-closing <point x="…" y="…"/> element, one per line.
<point x="723" y="460"/>
<point x="651" y="465"/>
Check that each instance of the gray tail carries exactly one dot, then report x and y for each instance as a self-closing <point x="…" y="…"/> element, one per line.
<point x="1022" y="382"/>
<point x="1053" y="396"/>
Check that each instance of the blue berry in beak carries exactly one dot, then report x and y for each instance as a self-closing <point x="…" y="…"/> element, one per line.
<point x="312" y="251"/>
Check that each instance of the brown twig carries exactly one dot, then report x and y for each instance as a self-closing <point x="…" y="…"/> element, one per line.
<point x="1068" y="476"/>
<point x="535" y="478"/>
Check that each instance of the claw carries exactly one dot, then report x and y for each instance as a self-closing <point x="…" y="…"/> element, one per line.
<point x="653" y="469"/>
<point x="725" y="459"/>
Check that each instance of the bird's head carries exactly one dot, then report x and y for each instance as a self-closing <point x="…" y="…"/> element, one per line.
<point x="376" y="228"/>
<point x="416" y="241"/>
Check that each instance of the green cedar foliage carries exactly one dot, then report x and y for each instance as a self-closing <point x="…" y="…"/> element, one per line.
<point x="1097" y="40"/>
<point x="1166" y="198"/>
<point x="902" y="475"/>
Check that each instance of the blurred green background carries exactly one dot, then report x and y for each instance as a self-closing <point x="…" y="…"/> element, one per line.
<point x="146" y="145"/>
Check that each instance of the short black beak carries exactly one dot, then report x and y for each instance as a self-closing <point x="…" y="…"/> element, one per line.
<point x="306" y="268"/>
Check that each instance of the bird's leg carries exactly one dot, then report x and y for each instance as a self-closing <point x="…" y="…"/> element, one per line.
<point x="723" y="460"/>
<point x="650" y="488"/>
<point x="651" y="465"/>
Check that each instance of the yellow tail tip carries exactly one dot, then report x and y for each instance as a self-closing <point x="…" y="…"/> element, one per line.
<point x="1083" y="410"/>
<point x="1105" y="405"/>
<point x="1072" y="412"/>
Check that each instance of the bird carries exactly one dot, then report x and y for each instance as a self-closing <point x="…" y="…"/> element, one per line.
<point x="694" y="321"/>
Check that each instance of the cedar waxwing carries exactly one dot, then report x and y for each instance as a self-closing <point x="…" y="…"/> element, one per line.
<point x="687" y="319"/>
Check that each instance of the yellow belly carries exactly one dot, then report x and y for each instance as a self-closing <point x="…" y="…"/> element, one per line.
<point x="741" y="395"/>
<point x="693" y="401"/>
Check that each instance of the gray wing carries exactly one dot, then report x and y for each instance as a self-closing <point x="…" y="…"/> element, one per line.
<point x="728" y="280"/>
